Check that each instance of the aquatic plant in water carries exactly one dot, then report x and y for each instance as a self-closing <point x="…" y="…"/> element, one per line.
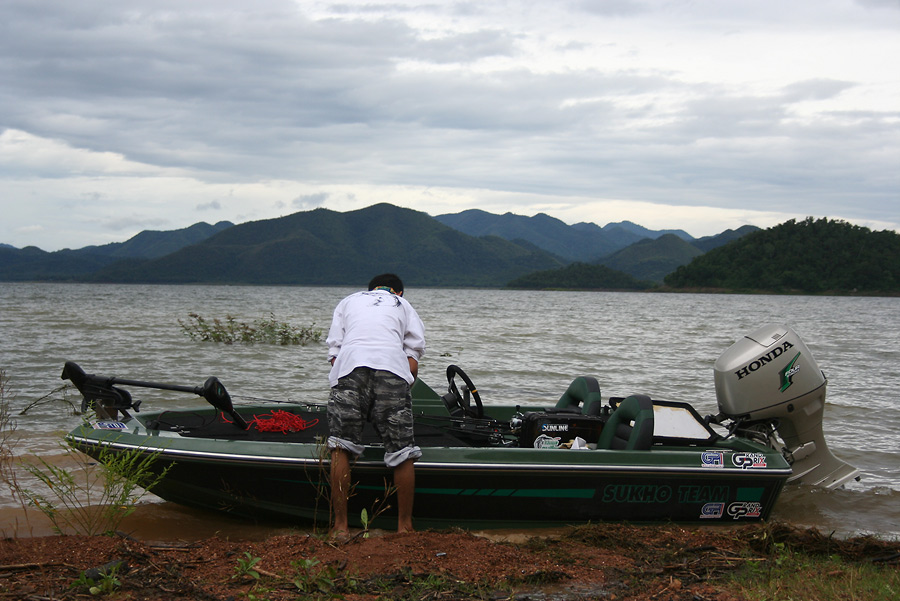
<point x="260" y="331"/>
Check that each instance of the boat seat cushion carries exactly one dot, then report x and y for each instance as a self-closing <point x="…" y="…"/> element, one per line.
<point x="630" y="426"/>
<point x="583" y="391"/>
<point x="594" y="408"/>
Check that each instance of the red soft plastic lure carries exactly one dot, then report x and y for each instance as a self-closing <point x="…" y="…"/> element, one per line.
<point x="279" y="421"/>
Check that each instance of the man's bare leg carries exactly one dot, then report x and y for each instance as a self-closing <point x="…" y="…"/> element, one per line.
<point x="405" y="481"/>
<point x="340" y="490"/>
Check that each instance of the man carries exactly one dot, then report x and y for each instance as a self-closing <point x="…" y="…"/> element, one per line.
<point x="374" y="344"/>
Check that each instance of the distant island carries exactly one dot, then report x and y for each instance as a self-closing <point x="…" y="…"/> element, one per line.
<point x="813" y="256"/>
<point x="479" y="249"/>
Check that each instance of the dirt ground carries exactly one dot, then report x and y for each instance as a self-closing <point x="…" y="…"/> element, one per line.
<point x="608" y="561"/>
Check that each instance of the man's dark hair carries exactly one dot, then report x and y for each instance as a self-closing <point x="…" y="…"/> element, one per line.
<point x="387" y="279"/>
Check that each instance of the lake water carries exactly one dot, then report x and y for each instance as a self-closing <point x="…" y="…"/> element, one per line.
<point x="518" y="347"/>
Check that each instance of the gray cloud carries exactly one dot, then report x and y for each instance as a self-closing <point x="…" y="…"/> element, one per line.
<point x="469" y="96"/>
<point x="130" y="222"/>
<point x="309" y="201"/>
<point x="213" y="205"/>
<point x="613" y="8"/>
<point x="815" y="89"/>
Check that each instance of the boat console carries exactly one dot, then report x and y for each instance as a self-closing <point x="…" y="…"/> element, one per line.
<point x="555" y="429"/>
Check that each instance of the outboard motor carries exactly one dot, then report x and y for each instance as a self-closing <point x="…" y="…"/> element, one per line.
<point x="768" y="381"/>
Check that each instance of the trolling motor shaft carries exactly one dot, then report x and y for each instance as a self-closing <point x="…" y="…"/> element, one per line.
<point x="101" y="394"/>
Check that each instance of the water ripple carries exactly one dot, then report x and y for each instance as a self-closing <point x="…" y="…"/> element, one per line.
<point x="518" y="346"/>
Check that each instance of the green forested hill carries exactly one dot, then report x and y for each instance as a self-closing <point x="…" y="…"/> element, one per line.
<point x="579" y="276"/>
<point x="649" y="259"/>
<point x="652" y="260"/>
<point x="151" y="244"/>
<point x="708" y="243"/>
<point x="32" y="263"/>
<point x="324" y="247"/>
<point x="811" y="256"/>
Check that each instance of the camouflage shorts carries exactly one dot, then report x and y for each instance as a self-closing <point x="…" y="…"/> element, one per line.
<point x="379" y="397"/>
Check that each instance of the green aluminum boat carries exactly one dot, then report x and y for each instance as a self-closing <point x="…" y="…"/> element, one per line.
<point x="583" y="459"/>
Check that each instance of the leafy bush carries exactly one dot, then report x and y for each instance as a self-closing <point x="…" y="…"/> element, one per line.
<point x="261" y="331"/>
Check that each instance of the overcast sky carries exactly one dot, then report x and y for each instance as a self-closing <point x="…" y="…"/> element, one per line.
<point x="116" y="117"/>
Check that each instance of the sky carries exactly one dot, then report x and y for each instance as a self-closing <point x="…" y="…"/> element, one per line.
<point x="701" y="115"/>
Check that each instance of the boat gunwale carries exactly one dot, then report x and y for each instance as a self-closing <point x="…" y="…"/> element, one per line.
<point x="431" y="465"/>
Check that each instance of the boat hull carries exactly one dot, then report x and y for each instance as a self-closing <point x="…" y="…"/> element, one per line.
<point x="458" y="486"/>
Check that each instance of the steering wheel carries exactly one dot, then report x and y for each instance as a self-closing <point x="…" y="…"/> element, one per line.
<point x="454" y="398"/>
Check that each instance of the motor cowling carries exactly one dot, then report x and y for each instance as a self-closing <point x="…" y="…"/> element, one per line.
<point x="770" y="377"/>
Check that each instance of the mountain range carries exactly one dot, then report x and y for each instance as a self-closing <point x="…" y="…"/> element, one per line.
<point x="324" y="247"/>
<point x="585" y="242"/>
<point x="32" y="263"/>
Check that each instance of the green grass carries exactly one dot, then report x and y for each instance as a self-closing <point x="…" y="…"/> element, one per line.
<point x="806" y="578"/>
<point x="789" y="575"/>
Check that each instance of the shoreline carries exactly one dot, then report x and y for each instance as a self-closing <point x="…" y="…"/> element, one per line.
<point x="610" y="560"/>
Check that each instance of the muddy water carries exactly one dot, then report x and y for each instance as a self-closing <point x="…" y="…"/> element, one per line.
<point x="518" y="347"/>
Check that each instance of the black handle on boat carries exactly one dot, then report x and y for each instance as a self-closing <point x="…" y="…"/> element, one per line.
<point x="212" y="390"/>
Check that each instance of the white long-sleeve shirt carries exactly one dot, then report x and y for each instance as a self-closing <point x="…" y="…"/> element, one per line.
<point x="375" y="329"/>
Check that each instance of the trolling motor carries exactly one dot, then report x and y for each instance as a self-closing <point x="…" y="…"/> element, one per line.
<point x="768" y="383"/>
<point x="100" y="393"/>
